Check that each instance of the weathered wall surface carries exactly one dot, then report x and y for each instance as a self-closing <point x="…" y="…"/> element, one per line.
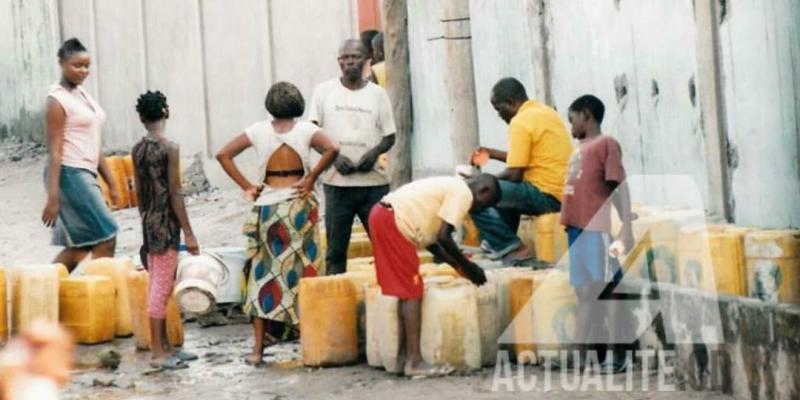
<point x="599" y="47"/>
<point x="431" y="150"/>
<point x="213" y="59"/>
<point x="760" y="43"/>
<point x="757" y="358"/>
<point x="29" y="38"/>
<point x="502" y="46"/>
<point x="640" y="58"/>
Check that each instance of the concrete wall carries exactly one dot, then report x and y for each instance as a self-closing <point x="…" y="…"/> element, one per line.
<point x="760" y="43"/>
<point x="430" y="141"/>
<point x="600" y="47"/>
<point x="758" y="358"/>
<point x="213" y="59"/>
<point x="29" y="39"/>
<point x="640" y="58"/>
<point x="498" y="28"/>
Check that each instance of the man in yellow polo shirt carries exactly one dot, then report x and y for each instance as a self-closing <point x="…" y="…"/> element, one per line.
<point x="536" y="166"/>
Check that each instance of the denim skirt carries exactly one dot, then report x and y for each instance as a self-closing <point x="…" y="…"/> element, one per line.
<point x="84" y="220"/>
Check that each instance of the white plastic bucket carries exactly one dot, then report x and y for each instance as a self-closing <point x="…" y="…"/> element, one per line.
<point x="198" y="280"/>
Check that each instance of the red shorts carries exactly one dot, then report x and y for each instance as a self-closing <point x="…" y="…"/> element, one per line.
<point x="396" y="260"/>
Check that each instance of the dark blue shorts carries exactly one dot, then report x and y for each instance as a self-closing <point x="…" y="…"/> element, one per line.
<point x="589" y="261"/>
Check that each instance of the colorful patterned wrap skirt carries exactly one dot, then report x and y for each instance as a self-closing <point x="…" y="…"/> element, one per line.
<point x="283" y="247"/>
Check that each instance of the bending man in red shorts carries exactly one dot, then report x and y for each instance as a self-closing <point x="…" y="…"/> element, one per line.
<point x="424" y="214"/>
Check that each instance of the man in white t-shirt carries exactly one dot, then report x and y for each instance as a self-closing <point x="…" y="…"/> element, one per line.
<point x="357" y="114"/>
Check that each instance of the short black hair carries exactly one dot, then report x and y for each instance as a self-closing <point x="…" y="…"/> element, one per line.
<point x="590" y="104"/>
<point x="509" y="90"/>
<point x="70" y="47"/>
<point x="152" y="106"/>
<point x="356" y="43"/>
<point x="284" y="100"/>
<point x="486" y="181"/>
<point x="377" y="41"/>
<point x="366" y="38"/>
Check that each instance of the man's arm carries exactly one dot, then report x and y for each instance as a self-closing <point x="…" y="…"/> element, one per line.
<point x="512" y="174"/>
<point x="448" y="250"/>
<point x="369" y="158"/>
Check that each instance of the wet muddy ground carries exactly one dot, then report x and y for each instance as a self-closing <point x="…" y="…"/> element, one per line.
<point x="221" y="373"/>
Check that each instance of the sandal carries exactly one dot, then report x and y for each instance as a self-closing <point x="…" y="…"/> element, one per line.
<point x="186" y="356"/>
<point x="170" y="364"/>
<point x="518" y="260"/>
<point x="426" y="370"/>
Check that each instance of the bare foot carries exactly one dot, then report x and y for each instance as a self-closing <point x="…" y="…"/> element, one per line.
<point x="254" y="360"/>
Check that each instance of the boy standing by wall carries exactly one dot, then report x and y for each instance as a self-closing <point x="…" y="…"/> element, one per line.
<point x="595" y="181"/>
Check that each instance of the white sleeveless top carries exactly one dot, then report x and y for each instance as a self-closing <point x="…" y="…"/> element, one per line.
<point x="266" y="141"/>
<point x="84" y="119"/>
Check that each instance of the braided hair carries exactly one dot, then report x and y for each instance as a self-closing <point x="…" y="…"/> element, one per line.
<point x="284" y="100"/>
<point x="152" y="106"/>
<point x="70" y="47"/>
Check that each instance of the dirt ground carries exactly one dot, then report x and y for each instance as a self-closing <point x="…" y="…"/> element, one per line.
<point x="220" y="372"/>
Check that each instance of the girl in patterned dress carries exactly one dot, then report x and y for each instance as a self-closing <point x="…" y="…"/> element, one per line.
<point x="282" y="228"/>
<point x="161" y="206"/>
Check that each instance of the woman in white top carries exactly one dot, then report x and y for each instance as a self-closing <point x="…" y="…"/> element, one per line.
<point x="281" y="229"/>
<point x="75" y="208"/>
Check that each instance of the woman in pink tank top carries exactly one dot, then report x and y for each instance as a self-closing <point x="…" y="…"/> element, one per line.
<point x="75" y="208"/>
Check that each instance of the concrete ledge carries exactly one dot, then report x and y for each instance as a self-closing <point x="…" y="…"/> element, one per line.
<point x="735" y="345"/>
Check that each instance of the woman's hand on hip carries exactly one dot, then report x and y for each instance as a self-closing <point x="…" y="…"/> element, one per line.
<point x="252" y="193"/>
<point x="304" y="187"/>
<point x="50" y="213"/>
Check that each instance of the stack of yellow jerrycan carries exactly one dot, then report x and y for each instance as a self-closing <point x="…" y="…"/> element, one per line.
<point x="328" y="318"/>
<point x="555" y="306"/>
<point x="551" y="238"/>
<point x="117" y="269"/>
<point x="527" y="231"/>
<point x="450" y="325"/>
<point x="360" y="246"/>
<point x="471" y="234"/>
<point x="711" y="258"/>
<point x="127" y="163"/>
<point x="431" y="269"/>
<point x="137" y="291"/>
<point x="383" y="331"/>
<point x="3" y="307"/>
<point x="501" y="278"/>
<point x="105" y="191"/>
<point x="117" y="169"/>
<point x="87" y="308"/>
<point x="34" y="294"/>
<point x="488" y="324"/>
<point x="522" y="286"/>
<point x="361" y="280"/>
<point x="370" y="301"/>
<point x="660" y="260"/>
<point x="773" y="265"/>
